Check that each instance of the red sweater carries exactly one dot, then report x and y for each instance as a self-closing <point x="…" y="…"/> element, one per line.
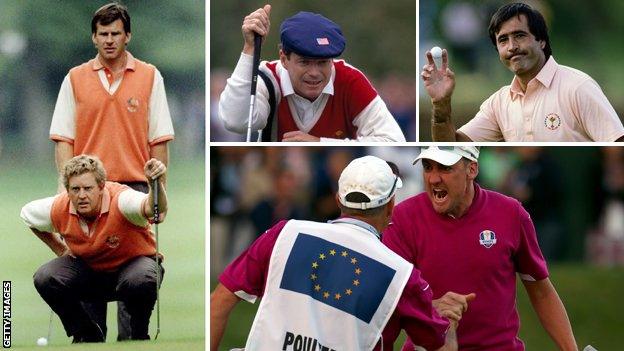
<point x="352" y="93"/>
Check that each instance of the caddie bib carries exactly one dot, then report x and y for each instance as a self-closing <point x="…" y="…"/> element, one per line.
<point x="330" y="286"/>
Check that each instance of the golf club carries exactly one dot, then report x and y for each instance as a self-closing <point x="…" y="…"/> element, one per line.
<point x="254" y="81"/>
<point x="52" y="311"/>
<point x="50" y="325"/>
<point x="156" y="219"/>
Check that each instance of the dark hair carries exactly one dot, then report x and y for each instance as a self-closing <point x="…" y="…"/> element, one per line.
<point x="284" y="50"/>
<point x="537" y="24"/>
<point x="108" y="14"/>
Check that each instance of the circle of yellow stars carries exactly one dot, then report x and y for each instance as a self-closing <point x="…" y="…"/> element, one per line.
<point x="347" y="291"/>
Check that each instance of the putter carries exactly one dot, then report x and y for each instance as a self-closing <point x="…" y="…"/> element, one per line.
<point x="254" y="81"/>
<point x="50" y="325"/>
<point x="156" y="219"/>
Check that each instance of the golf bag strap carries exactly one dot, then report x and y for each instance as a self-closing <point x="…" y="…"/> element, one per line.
<point x="267" y="134"/>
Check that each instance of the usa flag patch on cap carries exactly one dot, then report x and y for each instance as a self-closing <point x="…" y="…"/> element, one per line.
<point x="322" y="41"/>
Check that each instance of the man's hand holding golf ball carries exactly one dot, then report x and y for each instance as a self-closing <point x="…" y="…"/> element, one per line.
<point x="439" y="80"/>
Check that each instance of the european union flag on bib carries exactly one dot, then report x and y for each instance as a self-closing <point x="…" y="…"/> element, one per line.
<point x="337" y="276"/>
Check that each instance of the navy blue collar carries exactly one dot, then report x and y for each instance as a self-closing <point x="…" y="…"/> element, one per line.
<point x="359" y="223"/>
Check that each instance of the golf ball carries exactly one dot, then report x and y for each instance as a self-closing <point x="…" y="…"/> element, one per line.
<point x="436" y="52"/>
<point x="42" y="341"/>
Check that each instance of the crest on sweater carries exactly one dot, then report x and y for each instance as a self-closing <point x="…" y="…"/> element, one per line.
<point x="112" y="241"/>
<point x="133" y="104"/>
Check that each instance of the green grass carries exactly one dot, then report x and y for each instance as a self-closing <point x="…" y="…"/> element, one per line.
<point x="181" y="241"/>
<point x="592" y="297"/>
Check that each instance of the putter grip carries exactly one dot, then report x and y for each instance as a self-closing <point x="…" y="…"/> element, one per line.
<point x="155" y="190"/>
<point x="256" y="62"/>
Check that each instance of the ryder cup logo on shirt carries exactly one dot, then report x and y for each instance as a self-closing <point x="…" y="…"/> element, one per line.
<point x="552" y="121"/>
<point x="133" y="104"/>
<point x="112" y="241"/>
<point x="487" y="238"/>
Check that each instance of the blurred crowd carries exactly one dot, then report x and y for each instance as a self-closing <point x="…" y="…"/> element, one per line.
<point x="575" y="195"/>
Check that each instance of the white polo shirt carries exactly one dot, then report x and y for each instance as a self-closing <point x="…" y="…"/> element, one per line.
<point x="560" y="104"/>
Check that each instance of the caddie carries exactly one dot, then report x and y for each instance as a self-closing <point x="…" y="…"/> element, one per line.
<point x="333" y="285"/>
<point x="308" y="94"/>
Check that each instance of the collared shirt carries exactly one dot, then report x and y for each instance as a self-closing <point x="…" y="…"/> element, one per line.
<point x="559" y="104"/>
<point x="36" y="214"/>
<point x="307" y="111"/>
<point x="480" y="252"/>
<point x="64" y="119"/>
<point x="106" y="76"/>
<point x="374" y="123"/>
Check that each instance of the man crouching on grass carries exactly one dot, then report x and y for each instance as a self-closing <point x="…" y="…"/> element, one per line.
<point x="108" y="253"/>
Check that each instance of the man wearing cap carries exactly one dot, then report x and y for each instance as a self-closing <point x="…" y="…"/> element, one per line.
<point x="306" y="95"/>
<point x="468" y="239"/>
<point x="333" y="285"/>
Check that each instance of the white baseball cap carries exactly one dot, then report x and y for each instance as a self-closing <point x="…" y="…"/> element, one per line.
<point x="449" y="155"/>
<point x="370" y="176"/>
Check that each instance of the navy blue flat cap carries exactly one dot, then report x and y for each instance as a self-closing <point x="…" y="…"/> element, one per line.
<point x="312" y="35"/>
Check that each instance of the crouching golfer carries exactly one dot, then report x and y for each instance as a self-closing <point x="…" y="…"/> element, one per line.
<point x="109" y="252"/>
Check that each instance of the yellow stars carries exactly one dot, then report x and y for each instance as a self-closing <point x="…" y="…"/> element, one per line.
<point x="318" y="278"/>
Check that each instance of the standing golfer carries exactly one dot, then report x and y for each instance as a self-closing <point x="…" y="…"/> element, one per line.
<point x="114" y="107"/>
<point x="308" y="95"/>
<point x="333" y="285"/>
<point x="108" y="252"/>
<point x="545" y="101"/>
<point x="467" y="239"/>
